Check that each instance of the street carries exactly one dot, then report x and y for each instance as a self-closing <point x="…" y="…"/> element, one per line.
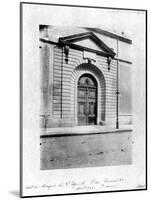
<point x="104" y="149"/>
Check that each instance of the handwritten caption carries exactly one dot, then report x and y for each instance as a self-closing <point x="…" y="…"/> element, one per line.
<point x="85" y="185"/>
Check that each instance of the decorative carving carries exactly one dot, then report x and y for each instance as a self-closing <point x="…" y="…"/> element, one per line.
<point x="109" y="59"/>
<point x="66" y="52"/>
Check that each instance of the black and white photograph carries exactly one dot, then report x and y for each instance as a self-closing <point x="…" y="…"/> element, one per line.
<point x="86" y="98"/>
<point x="83" y="85"/>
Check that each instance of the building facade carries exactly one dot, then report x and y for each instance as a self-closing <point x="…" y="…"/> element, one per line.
<point x="85" y="77"/>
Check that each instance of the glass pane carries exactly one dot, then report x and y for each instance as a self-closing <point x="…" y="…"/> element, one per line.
<point x="87" y="80"/>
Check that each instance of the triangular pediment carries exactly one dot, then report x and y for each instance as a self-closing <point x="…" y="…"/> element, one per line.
<point x="87" y="41"/>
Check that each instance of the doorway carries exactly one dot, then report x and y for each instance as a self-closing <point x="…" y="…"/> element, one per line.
<point x="87" y="100"/>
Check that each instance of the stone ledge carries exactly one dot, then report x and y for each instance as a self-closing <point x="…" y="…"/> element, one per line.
<point x="82" y="130"/>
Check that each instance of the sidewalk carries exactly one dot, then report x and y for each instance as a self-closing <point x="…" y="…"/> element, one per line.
<point x="83" y="130"/>
<point x="85" y="146"/>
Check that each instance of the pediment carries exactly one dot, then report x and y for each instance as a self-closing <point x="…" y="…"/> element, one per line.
<point x="87" y="41"/>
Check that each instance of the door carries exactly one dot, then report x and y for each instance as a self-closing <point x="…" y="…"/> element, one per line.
<point x="87" y="100"/>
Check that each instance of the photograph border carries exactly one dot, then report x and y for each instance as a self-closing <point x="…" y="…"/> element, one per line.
<point x="21" y="97"/>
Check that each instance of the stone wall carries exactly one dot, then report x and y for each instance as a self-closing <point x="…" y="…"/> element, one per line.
<point x="62" y="109"/>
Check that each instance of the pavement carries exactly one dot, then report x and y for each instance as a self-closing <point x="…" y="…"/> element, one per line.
<point x="83" y="130"/>
<point x="86" y="150"/>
